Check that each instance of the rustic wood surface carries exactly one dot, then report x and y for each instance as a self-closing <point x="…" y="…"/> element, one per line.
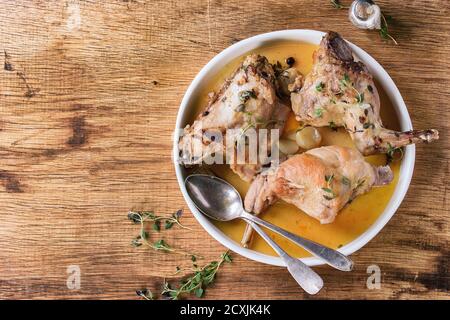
<point x="89" y="94"/>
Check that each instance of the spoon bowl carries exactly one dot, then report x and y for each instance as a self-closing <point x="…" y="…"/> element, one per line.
<point x="214" y="197"/>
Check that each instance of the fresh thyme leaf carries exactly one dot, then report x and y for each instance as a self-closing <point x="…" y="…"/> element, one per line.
<point x="345" y="180"/>
<point x="136" y="242"/>
<point x="360" y="97"/>
<point x="332" y="126"/>
<point x="193" y="258"/>
<point x="157" y="225"/>
<point x="368" y="125"/>
<point x="344" y="82"/>
<point x="162" y="245"/>
<point x="226" y="256"/>
<point x="329" y="178"/>
<point x="391" y="152"/>
<point x="318" y="112"/>
<point x="346" y="78"/>
<point x="144" y="234"/>
<point x="145" y="293"/>
<point x="360" y="183"/>
<point x="320" y="86"/>
<point x="199" y="292"/>
<point x="328" y="190"/>
<point x="246" y="95"/>
<point x="168" y="224"/>
<point x="384" y="32"/>
<point x="134" y="216"/>
<point x="337" y="4"/>
<point x="330" y="194"/>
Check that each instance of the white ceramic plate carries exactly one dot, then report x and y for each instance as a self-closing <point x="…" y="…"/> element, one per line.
<point x="310" y="36"/>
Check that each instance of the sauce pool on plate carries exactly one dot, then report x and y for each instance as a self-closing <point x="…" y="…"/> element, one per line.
<point x="354" y="219"/>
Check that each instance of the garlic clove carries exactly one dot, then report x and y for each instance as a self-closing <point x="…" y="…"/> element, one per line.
<point x="288" y="147"/>
<point x="365" y="14"/>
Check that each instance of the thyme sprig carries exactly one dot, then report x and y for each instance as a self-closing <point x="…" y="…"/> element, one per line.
<point x="345" y="83"/>
<point x="169" y="221"/>
<point x="143" y="217"/>
<point x="145" y="294"/>
<point x="392" y="152"/>
<point x="330" y="195"/>
<point x="337" y="4"/>
<point x="198" y="281"/>
<point x="384" y="30"/>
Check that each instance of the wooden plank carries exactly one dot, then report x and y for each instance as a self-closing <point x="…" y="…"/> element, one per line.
<point x="88" y="101"/>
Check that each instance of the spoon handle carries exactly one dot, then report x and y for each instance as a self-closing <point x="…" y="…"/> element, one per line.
<point x="332" y="257"/>
<point x="306" y="277"/>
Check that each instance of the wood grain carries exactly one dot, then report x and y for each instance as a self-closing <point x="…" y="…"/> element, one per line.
<point x="88" y="99"/>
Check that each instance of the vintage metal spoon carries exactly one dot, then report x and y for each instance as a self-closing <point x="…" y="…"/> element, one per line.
<point x="306" y="277"/>
<point x="219" y="200"/>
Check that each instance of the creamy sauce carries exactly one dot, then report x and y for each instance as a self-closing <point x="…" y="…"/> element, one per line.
<point x="354" y="219"/>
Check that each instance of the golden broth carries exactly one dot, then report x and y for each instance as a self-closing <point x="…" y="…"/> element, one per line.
<point x="354" y="219"/>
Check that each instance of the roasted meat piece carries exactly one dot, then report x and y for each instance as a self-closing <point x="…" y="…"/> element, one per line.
<point x="320" y="182"/>
<point x="340" y="91"/>
<point x="247" y="100"/>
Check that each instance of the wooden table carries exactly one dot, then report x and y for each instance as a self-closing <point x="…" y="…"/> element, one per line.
<point x="88" y="100"/>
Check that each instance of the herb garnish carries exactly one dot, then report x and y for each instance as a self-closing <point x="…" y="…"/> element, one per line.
<point x="329" y="178"/>
<point x="360" y="183"/>
<point x="318" y="112"/>
<point x="332" y="126"/>
<point x="330" y="193"/>
<point x="198" y="281"/>
<point x="320" y="86"/>
<point x="143" y="217"/>
<point x="345" y="180"/>
<point x="345" y="81"/>
<point x="145" y="293"/>
<point x="360" y="97"/>
<point x="337" y="4"/>
<point x="246" y="95"/>
<point x="384" y="32"/>
<point x="201" y="277"/>
<point x="391" y="152"/>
